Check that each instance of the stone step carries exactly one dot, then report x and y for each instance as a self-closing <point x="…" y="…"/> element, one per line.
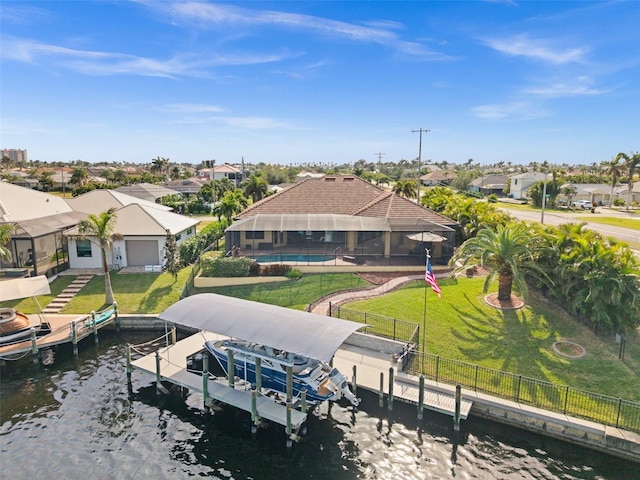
<point x="66" y="295"/>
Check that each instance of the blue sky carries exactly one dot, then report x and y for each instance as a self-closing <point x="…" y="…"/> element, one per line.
<point x="330" y="82"/>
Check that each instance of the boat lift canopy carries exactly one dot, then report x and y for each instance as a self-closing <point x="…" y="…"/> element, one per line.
<point x="24" y="288"/>
<point x="307" y="334"/>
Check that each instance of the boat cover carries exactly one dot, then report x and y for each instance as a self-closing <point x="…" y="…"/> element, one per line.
<point x="308" y="334"/>
<point x="24" y="288"/>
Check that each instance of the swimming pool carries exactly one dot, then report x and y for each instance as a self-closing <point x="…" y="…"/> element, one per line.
<point x="311" y="258"/>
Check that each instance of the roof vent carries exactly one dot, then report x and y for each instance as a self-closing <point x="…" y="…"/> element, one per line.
<point x="329" y="179"/>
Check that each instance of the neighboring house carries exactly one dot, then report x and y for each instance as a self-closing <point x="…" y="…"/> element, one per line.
<point x="343" y="215"/>
<point x="97" y="201"/>
<point x="218" y="172"/>
<point x="37" y="246"/>
<point x="21" y="178"/>
<point x="189" y="186"/>
<point x="596" y="193"/>
<point x="521" y="183"/>
<point x="146" y="191"/>
<point x="490" y="184"/>
<point x="438" y="177"/>
<point x="304" y="175"/>
<point x="143" y="224"/>
<point x="621" y="192"/>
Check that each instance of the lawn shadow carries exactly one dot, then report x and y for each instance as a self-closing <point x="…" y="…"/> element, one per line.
<point x="505" y="337"/>
<point x="149" y="303"/>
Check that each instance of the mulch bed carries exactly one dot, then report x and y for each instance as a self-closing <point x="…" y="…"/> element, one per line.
<point x="512" y="304"/>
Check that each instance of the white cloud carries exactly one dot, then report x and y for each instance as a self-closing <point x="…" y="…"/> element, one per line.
<point x="379" y="32"/>
<point x="192" y="108"/>
<point x="516" y="109"/>
<point x="523" y="46"/>
<point x="109" y="63"/>
<point x="580" y="87"/>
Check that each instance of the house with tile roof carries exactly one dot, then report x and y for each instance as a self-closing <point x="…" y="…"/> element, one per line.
<point x="343" y="216"/>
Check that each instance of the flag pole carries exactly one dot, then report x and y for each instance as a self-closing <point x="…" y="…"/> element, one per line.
<point x="424" y="314"/>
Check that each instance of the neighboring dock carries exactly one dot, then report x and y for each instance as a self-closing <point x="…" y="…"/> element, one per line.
<point x="62" y="329"/>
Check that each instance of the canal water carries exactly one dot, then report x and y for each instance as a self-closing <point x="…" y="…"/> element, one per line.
<point x="75" y="419"/>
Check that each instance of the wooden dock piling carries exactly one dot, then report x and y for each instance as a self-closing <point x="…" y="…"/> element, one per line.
<point x="421" y="397"/>
<point x="74" y="337"/>
<point x="205" y="382"/>
<point x="390" y="388"/>
<point x="95" y="327"/>
<point x="456" y="418"/>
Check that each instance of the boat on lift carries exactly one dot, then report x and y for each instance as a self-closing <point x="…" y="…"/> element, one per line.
<point x="319" y="380"/>
<point x="280" y="337"/>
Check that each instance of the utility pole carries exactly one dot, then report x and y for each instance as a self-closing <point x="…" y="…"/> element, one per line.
<point x="421" y="130"/>
<point x="379" y="155"/>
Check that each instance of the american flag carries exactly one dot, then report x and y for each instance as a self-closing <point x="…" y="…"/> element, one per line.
<point x="430" y="278"/>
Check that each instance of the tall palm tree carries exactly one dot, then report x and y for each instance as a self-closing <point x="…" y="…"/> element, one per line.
<point x="6" y="231"/>
<point x="100" y="228"/>
<point x="506" y="252"/>
<point x="256" y="188"/>
<point x="631" y="163"/>
<point x="613" y="168"/>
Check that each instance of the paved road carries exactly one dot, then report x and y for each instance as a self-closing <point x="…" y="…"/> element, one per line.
<point x="557" y="218"/>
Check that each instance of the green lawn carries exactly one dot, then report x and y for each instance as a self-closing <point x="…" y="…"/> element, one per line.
<point x="297" y="294"/>
<point x="462" y="326"/>
<point x="613" y="221"/>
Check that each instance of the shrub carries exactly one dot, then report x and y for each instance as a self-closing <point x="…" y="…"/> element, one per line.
<point x="206" y="262"/>
<point x="228" y="267"/>
<point x="294" y="274"/>
<point x="493" y="198"/>
<point x="619" y="202"/>
<point x="275" y="270"/>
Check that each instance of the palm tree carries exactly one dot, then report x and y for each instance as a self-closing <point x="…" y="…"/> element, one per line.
<point x="569" y="191"/>
<point x="506" y="252"/>
<point x="256" y="188"/>
<point x="631" y="163"/>
<point x="78" y="176"/>
<point x="6" y="231"/>
<point x="615" y="169"/>
<point x="101" y="228"/>
<point x="231" y="203"/>
<point x="406" y="188"/>
<point x="159" y="166"/>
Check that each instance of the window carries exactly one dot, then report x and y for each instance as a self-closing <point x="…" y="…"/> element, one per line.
<point x="190" y="231"/>
<point x="83" y="248"/>
<point x="178" y="236"/>
<point x="257" y="235"/>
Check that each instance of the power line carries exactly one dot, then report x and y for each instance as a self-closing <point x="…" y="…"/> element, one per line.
<point x="379" y="155"/>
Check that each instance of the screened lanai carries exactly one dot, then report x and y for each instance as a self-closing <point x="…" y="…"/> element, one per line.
<point x="349" y="238"/>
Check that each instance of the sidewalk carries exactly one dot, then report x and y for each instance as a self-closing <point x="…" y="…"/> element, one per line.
<point x="322" y="307"/>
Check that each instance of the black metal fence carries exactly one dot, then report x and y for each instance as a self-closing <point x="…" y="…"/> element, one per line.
<point x="559" y="398"/>
<point x="381" y="326"/>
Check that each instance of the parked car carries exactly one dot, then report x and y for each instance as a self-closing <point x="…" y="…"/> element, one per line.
<point x="583" y="204"/>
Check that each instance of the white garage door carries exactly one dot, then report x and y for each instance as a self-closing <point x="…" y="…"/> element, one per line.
<point x="142" y="252"/>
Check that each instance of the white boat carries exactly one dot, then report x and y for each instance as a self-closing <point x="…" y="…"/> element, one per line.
<point x="319" y="380"/>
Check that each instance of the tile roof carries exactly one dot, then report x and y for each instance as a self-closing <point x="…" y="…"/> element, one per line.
<point x="342" y="195"/>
